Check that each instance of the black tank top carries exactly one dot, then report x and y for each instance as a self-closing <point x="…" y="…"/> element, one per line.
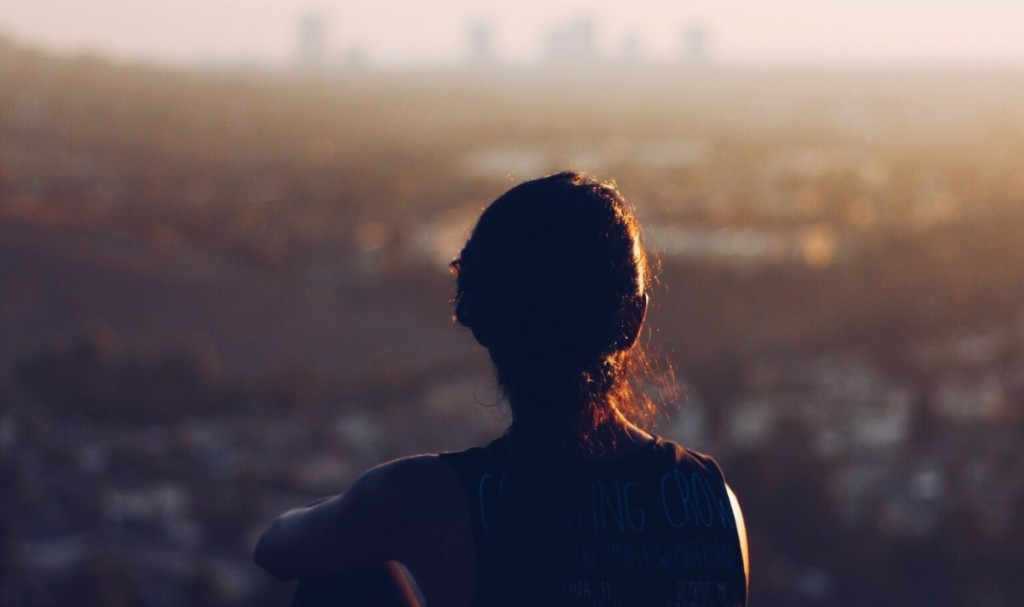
<point x="653" y="528"/>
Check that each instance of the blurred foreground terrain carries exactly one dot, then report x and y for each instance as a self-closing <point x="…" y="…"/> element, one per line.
<point x="226" y="293"/>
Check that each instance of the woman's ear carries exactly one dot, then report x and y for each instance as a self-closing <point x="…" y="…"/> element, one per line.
<point x="633" y="321"/>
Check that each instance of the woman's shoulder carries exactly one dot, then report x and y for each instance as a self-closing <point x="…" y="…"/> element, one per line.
<point x="381" y="514"/>
<point x="417" y="506"/>
<point x="423" y="472"/>
<point x="408" y="474"/>
<point x="414" y="492"/>
<point x="685" y="456"/>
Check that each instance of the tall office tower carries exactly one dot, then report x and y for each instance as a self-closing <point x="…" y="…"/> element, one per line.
<point x="311" y="50"/>
<point x="695" y="45"/>
<point x="481" y="43"/>
<point x="573" y="43"/>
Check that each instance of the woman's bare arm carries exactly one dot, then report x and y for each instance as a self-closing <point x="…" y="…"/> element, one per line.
<point x="410" y="510"/>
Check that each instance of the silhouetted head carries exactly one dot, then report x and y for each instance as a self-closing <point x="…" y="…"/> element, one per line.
<point x="553" y="282"/>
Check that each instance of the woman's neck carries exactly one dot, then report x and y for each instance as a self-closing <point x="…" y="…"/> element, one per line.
<point x="614" y="436"/>
<point x="618" y="437"/>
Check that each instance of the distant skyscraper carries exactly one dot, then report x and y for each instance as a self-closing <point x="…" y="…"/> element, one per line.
<point x="631" y="50"/>
<point x="311" y="50"/>
<point x="481" y="43"/>
<point x="695" y="44"/>
<point x="573" y="43"/>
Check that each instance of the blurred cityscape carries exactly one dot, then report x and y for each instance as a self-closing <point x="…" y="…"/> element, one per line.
<point x="225" y="293"/>
<point x="569" y="45"/>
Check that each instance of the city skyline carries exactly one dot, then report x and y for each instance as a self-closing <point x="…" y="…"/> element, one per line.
<point x="400" y="33"/>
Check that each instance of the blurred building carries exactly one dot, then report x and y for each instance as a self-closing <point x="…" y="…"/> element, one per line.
<point x="481" y="43"/>
<point x="631" y="50"/>
<point x="310" y="52"/>
<point x="571" y="43"/>
<point x="696" y="42"/>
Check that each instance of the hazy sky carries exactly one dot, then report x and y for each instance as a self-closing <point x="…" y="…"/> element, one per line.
<point x="401" y="32"/>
